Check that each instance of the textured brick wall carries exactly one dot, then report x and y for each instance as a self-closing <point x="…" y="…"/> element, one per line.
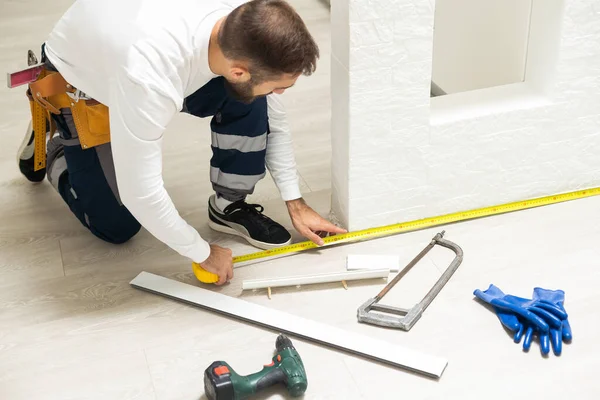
<point x="391" y="164"/>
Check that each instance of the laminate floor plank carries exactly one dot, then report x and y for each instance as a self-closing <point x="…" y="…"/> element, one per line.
<point x="30" y="261"/>
<point x="32" y="210"/>
<point x="118" y="377"/>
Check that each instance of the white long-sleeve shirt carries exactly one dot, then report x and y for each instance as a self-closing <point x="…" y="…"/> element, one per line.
<point x="141" y="58"/>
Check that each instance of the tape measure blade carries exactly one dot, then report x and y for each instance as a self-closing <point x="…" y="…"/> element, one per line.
<point x="409" y="226"/>
<point x="330" y="241"/>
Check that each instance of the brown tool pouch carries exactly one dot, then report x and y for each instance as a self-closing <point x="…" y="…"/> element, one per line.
<point x="92" y="123"/>
<point x="91" y="118"/>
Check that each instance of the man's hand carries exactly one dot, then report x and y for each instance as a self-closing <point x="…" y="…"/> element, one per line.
<point x="310" y="224"/>
<point x="219" y="262"/>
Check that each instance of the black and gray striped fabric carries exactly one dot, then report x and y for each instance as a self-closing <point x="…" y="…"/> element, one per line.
<point x="239" y="138"/>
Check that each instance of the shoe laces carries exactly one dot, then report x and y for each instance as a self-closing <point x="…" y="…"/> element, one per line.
<point x="254" y="209"/>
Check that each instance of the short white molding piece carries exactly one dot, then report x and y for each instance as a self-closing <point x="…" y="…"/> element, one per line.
<point x="315" y="278"/>
<point x="292" y="325"/>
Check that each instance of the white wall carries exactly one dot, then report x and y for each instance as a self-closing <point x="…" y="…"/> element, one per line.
<point x="400" y="155"/>
<point x="479" y="43"/>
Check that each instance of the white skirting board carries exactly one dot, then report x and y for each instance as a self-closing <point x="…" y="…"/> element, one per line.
<point x="324" y="334"/>
<point x="315" y="278"/>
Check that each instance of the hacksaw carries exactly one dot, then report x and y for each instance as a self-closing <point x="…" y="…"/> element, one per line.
<point x="371" y="312"/>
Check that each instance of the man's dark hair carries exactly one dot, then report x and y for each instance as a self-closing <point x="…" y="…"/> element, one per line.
<point x="271" y="36"/>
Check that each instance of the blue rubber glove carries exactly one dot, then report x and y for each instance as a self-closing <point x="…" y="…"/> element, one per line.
<point x="525" y="317"/>
<point x="563" y="332"/>
<point x="515" y="306"/>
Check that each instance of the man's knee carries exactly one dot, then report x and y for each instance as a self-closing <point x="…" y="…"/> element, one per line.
<point x="116" y="230"/>
<point x="91" y="193"/>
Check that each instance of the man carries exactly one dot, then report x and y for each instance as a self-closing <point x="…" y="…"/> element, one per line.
<point x="127" y="68"/>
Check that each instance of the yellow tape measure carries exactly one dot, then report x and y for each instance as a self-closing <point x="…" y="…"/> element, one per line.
<point x="388" y="230"/>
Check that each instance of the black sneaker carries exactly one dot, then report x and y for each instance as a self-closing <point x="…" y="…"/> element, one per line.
<point x="248" y="221"/>
<point x="25" y="158"/>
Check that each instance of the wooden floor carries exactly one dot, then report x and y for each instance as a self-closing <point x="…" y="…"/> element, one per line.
<point x="71" y="326"/>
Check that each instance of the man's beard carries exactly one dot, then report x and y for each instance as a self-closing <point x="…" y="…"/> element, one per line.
<point x="243" y="92"/>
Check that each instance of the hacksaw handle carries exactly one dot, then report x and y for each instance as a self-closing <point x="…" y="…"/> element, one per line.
<point x="203" y="275"/>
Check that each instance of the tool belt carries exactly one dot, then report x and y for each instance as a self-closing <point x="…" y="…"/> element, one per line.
<point x="54" y="93"/>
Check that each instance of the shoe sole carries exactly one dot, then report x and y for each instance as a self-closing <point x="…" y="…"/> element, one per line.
<point x="255" y="243"/>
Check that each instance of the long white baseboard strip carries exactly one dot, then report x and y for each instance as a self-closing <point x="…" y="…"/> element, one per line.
<point x="315" y="278"/>
<point x="292" y="325"/>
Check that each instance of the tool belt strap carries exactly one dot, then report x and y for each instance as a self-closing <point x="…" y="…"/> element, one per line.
<point x="49" y="91"/>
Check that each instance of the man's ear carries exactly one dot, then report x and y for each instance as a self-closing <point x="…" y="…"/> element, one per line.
<point x="239" y="73"/>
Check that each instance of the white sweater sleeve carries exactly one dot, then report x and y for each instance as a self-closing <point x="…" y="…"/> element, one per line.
<point x="280" y="159"/>
<point x="141" y="105"/>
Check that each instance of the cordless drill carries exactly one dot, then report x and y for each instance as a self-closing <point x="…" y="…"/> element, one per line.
<point x="221" y="382"/>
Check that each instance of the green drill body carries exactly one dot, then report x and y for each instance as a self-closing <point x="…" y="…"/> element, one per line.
<point x="221" y="382"/>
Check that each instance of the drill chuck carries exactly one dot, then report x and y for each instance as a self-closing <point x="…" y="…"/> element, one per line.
<point x="282" y="343"/>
